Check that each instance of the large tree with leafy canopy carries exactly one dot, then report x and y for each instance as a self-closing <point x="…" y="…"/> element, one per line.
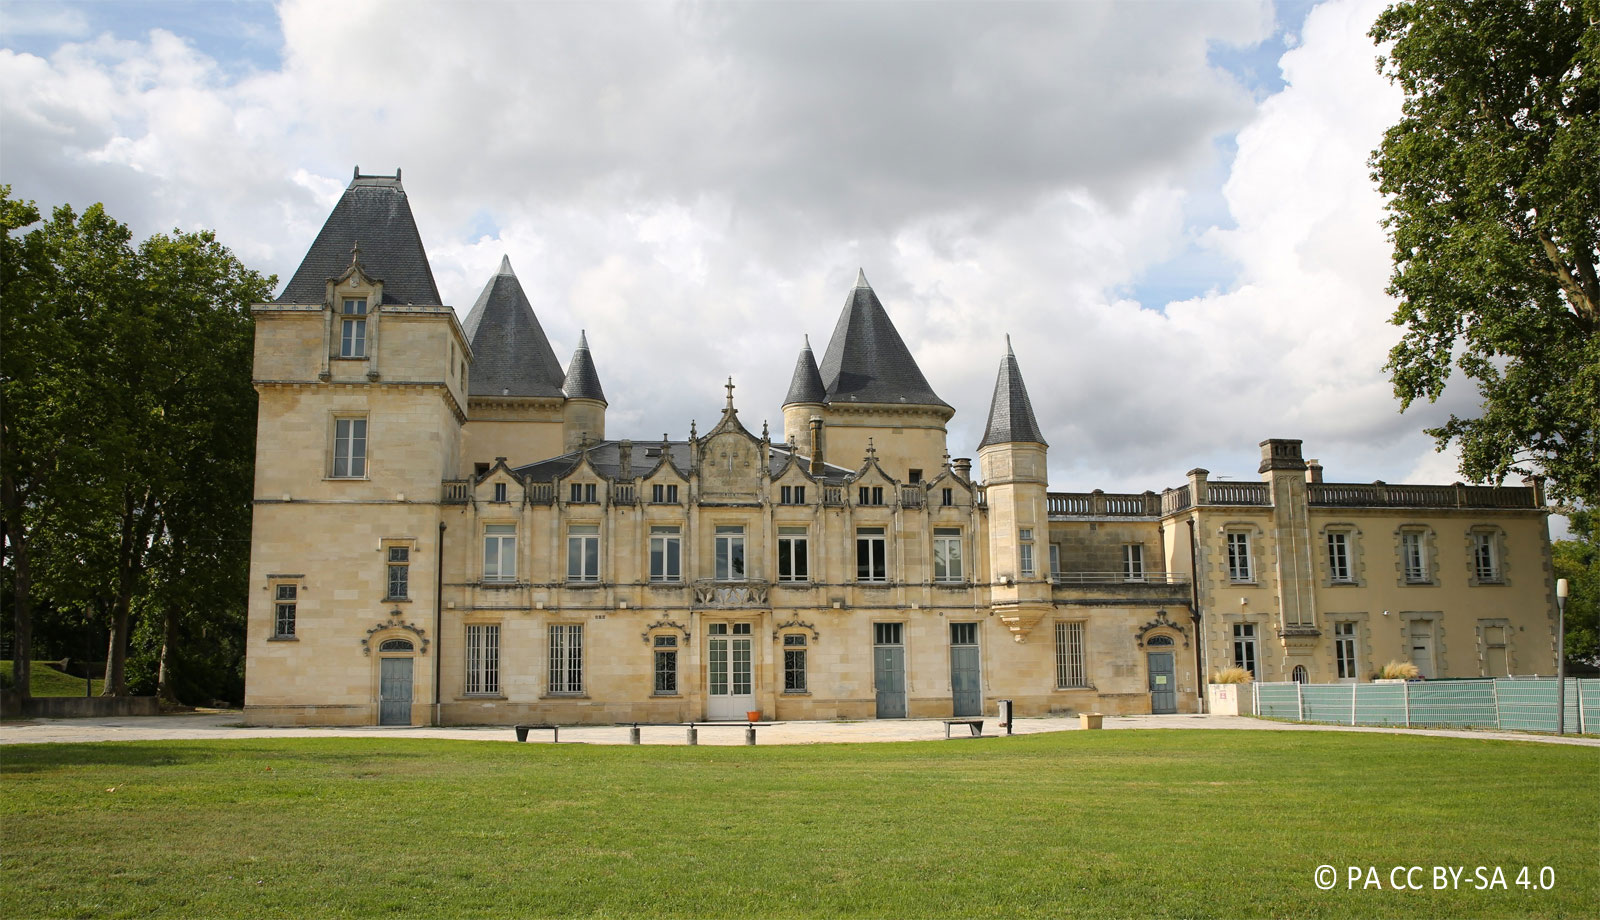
<point x="1493" y="178"/>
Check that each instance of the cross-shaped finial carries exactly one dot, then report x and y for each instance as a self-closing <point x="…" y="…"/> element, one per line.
<point x="730" y="392"/>
<point x="872" y="452"/>
<point x="355" y="252"/>
<point x="764" y="435"/>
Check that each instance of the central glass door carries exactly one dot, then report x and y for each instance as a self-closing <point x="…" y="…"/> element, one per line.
<point x="729" y="671"/>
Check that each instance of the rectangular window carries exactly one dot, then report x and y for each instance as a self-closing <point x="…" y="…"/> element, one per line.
<point x="349" y="448"/>
<point x="872" y="552"/>
<point x="914" y="477"/>
<point x="583" y="552"/>
<point x="566" y="658"/>
<point x="399" y="573"/>
<point x="947" y="497"/>
<point x="583" y="493"/>
<point x="1055" y="562"/>
<point x="663" y="494"/>
<point x="666" y="553"/>
<point x="792" y="562"/>
<point x="792" y="495"/>
<point x="286" y="598"/>
<point x="1132" y="562"/>
<point x="1485" y="558"/>
<point x="1414" y="557"/>
<point x="794" y="663"/>
<point x="353" y="329"/>
<point x="1244" y="647"/>
<point x="1070" y="672"/>
<point x="887" y="633"/>
<point x="947" y="554"/>
<point x="499" y="491"/>
<point x="483" y="659"/>
<point x="1339" y="557"/>
<point x="963" y="634"/>
<point x="1025" y="552"/>
<point x="728" y="564"/>
<point x="666" y="654"/>
<point x="870" y="495"/>
<point x="1239" y="557"/>
<point x="1344" y="649"/>
<point x="500" y="552"/>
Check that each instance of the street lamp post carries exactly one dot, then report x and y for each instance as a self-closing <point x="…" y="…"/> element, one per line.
<point x="1561" y="656"/>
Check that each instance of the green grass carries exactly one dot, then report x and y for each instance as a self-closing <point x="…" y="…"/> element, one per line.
<point x="50" y="681"/>
<point x="1116" y="823"/>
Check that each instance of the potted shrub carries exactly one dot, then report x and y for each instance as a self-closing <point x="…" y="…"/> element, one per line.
<point x="1397" y="672"/>
<point x="1228" y="694"/>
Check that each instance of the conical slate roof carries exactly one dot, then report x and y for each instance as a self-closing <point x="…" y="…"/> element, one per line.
<point x="866" y="360"/>
<point x="583" y="381"/>
<point x="510" y="354"/>
<point x="374" y="213"/>
<point x="806" y="386"/>
<point x="1010" y="412"/>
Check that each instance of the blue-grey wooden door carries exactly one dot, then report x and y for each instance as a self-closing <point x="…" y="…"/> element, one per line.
<point x="394" y="691"/>
<point x="1163" y="687"/>
<point x="889" y="677"/>
<point x="968" y="698"/>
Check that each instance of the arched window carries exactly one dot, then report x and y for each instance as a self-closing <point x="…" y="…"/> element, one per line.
<point x="1299" y="673"/>
<point x="1159" y="641"/>
<point x="395" y="645"/>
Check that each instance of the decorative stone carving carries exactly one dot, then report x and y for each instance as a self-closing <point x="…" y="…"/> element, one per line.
<point x="795" y="624"/>
<point x="1161" y="622"/>
<point x="394" y="622"/>
<point x="730" y="594"/>
<point x="663" y="624"/>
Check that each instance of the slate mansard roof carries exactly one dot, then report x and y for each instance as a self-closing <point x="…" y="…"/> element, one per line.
<point x="867" y="361"/>
<point x="510" y="354"/>
<point x="375" y="214"/>
<point x="606" y="457"/>
<point x="1010" y="412"/>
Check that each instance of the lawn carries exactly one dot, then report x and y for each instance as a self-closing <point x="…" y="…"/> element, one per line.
<point x="49" y="681"/>
<point x="1087" y="824"/>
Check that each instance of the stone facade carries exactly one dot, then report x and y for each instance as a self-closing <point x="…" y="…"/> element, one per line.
<point x="428" y="547"/>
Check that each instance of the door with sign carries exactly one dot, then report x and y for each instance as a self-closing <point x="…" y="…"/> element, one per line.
<point x="1163" y="690"/>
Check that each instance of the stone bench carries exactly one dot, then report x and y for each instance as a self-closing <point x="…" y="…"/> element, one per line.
<point x="976" y="725"/>
<point x="522" y="731"/>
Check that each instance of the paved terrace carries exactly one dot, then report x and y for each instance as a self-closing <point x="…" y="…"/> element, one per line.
<point x="210" y="725"/>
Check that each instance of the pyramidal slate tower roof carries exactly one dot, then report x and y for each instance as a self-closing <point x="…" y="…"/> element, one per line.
<point x="866" y="360"/>
<point x="583" y="381"/>
<point x="806" y="385"/>
<point x="374" y="214"/>
<point x="510" y="354"/>
<point x="1010" y="412"/>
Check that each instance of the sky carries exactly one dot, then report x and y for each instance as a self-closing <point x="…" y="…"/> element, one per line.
<point x="1166" y="205"/>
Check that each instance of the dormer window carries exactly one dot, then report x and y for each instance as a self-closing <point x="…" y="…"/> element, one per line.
<point x="500" y="492"/>
<point x="353" y="328"/>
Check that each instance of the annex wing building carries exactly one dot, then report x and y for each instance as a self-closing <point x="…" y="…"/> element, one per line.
<point x="444" y="531"/>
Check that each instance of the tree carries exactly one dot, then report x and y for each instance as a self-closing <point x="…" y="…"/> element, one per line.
<point x="1493" y="178"/>
<point x="134" y="419"/>
<point x="1578" y="561"/>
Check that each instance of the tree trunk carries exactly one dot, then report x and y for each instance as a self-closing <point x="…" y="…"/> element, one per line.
<point x="169" y="644"/>
<point x="130" y="563"/>
<point x="22" y="585"/>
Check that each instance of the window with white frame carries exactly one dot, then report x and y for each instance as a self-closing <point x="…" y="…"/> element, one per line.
<point x="583" y="552"/>
<point x="1239" y="568"/>
<point x="666" y="666"/>
<point x="483" y="659"/>
<point x="399" y="572"/>
<point x="353" y="328"/>
<point x="728" y="553"/>
<point x="1414" y="557"/>
<point x="1344" y="650"/>
<point x="286" y="600"/>
<point x="1055" y="562"/>
<point x="566" y="658"/>
<point x="872" y="554"/>
<point x="1485" y="557"/>
<point x="793" y="564"/>
<point x="1025" y="552"/>
<point x="1132" y="562"/>
<point x="794" y="663"/>
<point x="947" y="554"/>
<point x="1339" y="570"/>
<point x="1070" y="672"/>
<point x="666" y="552"/>
<point x="1244" y="647"/>
<point x="350" y="447"/>
<point x="499" y="552"/>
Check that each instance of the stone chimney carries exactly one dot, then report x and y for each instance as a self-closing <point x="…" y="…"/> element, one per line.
<point x="963" y="468"/>
<point x="624" y="460"/>
<point x="817" y="446"/>
<point x="1313" y="471"/>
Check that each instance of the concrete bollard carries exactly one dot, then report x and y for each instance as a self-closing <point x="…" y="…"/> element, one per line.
<point x="694" y="736"/>
<point x="750" y="735"/>
<point x="633" y="734"/>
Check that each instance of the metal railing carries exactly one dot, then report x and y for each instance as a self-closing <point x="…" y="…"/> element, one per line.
<point x="1118" y="578"/>
<point x="1510" y="704"/>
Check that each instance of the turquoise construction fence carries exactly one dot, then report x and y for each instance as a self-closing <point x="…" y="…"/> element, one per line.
<point x="1514" y="704"/>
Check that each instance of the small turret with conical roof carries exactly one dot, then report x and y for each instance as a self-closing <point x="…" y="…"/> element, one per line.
<point x="806" y="396"/>
<point x="1010" y="411"/>
<point x="584" y="415"/>
<point x="1012" y="459"/>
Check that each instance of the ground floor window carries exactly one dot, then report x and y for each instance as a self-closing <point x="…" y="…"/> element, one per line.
<point x="666" y="654"/>
<point x="284" y="610"/>
<point x="483" y="659"/>
<point x="1070" y="672"/>
<point x="794" y="664"/>
<point x="566" y="658"/>
<point x="1244" y="647"/>
<point x="1344" y="649"/>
